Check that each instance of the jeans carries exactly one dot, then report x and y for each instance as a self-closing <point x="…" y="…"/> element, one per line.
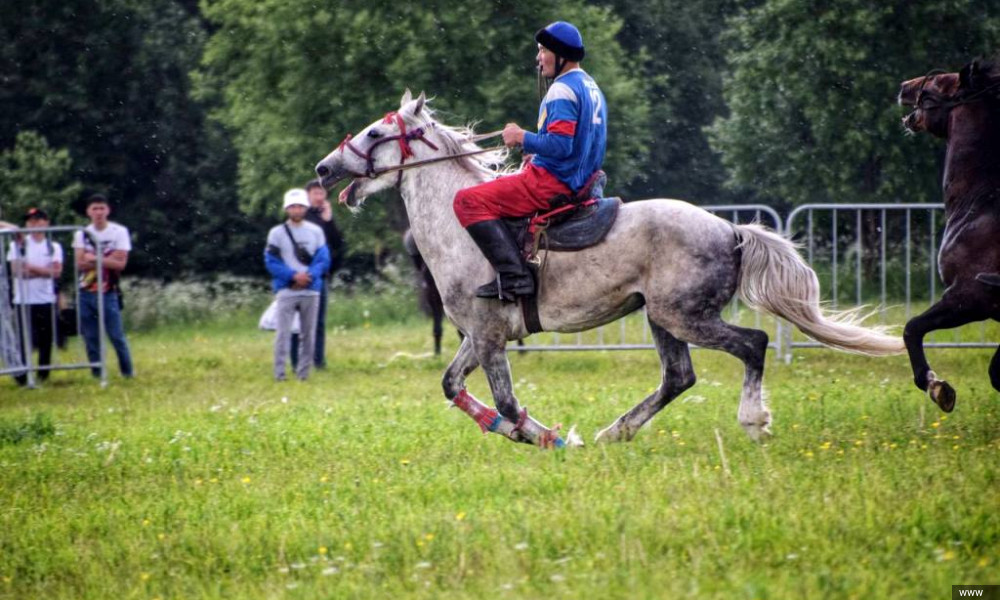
<point x="40" y="327"/>
<point x="305" y="305"/>
<point x="91" y="331"/>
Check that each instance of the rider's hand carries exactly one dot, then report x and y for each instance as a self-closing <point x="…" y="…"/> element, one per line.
<point x="301" y="280"/>
<point x="513" y="135"/>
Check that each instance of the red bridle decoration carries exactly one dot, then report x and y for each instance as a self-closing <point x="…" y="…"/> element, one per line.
<point x="404" y="137"/>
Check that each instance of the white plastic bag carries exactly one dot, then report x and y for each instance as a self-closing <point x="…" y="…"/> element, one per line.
<point x="269" y="320"/>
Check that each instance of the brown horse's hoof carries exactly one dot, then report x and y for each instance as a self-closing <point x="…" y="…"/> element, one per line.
<point x="942" y="394"/>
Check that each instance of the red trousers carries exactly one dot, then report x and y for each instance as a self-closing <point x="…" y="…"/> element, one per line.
<point x="518" y="195"/>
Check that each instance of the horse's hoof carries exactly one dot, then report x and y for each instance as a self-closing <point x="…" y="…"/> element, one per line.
<point x="942" y="394"/>
<point x="756" y="432"/>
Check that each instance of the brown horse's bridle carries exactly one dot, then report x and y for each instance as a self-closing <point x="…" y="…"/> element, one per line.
<point x="405" y="151"/>
<point x="936" y="100"/>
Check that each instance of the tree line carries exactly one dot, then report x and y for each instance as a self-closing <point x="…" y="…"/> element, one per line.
<point x="195" y="117"/>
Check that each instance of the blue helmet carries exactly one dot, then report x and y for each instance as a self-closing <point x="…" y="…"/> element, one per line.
<point x="563" y="39"/>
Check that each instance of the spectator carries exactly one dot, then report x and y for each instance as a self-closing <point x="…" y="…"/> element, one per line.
<point x="296" y="256"/>
<point x="36" y="262"/>
<point x="113" y="244"/>
<point x="321" y="213"/>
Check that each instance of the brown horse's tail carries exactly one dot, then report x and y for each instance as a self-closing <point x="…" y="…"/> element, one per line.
<point x="774" y="278"/>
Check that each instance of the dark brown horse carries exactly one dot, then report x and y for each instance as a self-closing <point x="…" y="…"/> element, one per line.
<point x="964" y="109"/>
<point x="427" y="293"/>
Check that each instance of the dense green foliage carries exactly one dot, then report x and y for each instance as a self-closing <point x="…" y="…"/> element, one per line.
<point x="297" y="79"/>
<point x="202" y="478"/>
<point x="33" y="174"/>
<point x="197" y="117"/>
<point x="811" y="91"/>
<point x="109" y="83"/>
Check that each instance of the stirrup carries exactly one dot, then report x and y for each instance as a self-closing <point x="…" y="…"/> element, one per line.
<point x="495" y="290"/>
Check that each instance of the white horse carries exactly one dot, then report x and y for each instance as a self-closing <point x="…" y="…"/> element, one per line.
<point x="680" y="262"/>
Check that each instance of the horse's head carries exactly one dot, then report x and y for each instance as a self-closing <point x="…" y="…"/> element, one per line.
<point x="930" y="98"/>
<point x="384" y="144"/>
<point x="935" y="95"/>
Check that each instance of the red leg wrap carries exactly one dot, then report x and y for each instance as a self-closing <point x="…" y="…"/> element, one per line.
<point x="483" y="415"/>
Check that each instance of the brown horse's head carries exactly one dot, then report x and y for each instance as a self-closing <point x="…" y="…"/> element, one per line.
<point x="934" y="95"/>
<point x="928" y="95"/>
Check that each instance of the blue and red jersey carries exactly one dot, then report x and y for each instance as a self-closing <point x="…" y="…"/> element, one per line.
<point x="572" y="129"/>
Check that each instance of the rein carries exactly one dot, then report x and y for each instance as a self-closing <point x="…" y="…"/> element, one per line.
<point x="405" y="151"/>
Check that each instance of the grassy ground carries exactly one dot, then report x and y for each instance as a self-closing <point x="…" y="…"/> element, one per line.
<point x="202" y="478"/>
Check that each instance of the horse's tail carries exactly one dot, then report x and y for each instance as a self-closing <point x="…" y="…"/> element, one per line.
<point x="774" y="278"/>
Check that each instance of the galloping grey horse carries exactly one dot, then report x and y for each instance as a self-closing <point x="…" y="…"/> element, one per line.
<point x="680" y="262"/>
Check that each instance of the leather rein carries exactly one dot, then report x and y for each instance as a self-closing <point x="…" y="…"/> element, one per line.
<point x="404" y="137"/>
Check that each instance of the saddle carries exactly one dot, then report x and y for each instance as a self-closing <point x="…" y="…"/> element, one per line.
<point x="572" y="223"/>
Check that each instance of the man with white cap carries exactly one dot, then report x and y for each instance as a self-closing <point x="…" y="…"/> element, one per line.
<point x="296" y="256"/>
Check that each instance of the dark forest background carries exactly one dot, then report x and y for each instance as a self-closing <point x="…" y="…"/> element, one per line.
<point x="196" y="117"/>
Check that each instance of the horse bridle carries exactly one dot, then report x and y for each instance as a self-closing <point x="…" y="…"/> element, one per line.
<point x="943" y="101"/>
<point x="405" y="151"/>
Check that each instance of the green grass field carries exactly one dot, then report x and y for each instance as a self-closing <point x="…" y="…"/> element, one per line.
<point x="202" y="478"/>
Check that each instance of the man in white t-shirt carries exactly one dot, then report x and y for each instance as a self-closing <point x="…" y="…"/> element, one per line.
<point x="113" y="244"/>
<point x="36" y="262"/>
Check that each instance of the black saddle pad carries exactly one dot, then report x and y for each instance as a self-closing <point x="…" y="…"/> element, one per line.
<point x="577" y="229"/>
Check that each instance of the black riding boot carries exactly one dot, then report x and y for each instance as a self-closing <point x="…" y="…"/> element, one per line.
<point x="498" y="245"/>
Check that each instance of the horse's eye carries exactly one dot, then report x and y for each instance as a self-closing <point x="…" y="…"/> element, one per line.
<point x="375" y="134"/>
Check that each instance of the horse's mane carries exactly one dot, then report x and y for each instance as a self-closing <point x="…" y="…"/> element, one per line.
<point x="485" y="166"/>
<point x="987" y="77"/>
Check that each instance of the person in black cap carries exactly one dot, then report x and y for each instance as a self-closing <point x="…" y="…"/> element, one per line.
<point x="113" y="245"/>
<point x="36" y="262"/>
<point x="567" y="152"/>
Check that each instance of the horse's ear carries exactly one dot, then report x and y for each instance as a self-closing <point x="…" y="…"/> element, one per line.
<point x="421" y="100"/>
<point x="969" y="75"/>
<point x="407" y="97"/>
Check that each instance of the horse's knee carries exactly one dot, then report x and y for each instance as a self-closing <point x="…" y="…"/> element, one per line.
<point x="450" y="385"/>
<point x="912" y="333"/>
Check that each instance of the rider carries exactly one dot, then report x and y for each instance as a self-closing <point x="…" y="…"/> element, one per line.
<point x="567" y="150"/>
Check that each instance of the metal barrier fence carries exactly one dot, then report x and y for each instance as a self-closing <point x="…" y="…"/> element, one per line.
<point x="632" y="332"/>
<point x="16" y="344"/>
<point x="879" y="255"/>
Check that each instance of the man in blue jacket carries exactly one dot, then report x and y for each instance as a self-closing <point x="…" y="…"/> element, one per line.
<point x="566" y="152"/>
<point x="297" y="257"/>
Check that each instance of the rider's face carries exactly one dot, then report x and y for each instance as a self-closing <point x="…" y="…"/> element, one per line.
<point x="546" y="61"/>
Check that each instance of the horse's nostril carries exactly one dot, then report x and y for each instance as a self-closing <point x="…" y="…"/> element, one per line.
<point x="322" y="170"/>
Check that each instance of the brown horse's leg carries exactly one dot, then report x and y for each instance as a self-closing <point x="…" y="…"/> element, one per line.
<point x="958" y="307"/>
<point x="676" y="375"/>
<point x="995" y="370"/>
